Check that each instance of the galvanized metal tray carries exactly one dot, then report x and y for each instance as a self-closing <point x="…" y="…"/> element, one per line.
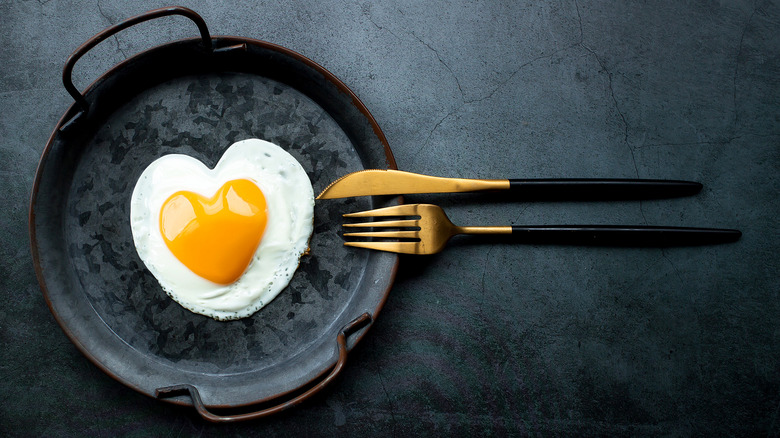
<point x="196" y="97"/>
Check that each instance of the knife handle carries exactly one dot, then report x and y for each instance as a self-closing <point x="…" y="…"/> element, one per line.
<point x="608" y="235"/>
<point x="582" y="189"/>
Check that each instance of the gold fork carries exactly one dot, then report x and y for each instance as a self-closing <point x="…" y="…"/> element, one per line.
<point x="425" y="229"/>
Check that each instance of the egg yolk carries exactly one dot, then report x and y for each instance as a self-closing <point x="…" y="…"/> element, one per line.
<point x="215" y="237"/>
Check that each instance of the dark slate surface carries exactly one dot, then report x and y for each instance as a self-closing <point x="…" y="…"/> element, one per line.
<point x="483" y="339"/>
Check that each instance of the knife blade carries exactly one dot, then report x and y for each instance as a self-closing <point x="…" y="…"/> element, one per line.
<point x="373" y="182"/>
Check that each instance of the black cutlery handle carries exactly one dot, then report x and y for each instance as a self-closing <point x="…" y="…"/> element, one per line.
<point x="609" y="235"/>
<point x="582" y="189"/>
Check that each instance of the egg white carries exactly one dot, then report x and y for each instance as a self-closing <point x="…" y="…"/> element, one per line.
<point x="290" y="201"/>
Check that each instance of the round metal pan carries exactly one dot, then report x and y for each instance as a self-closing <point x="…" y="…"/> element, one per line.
<point x="196" y="97"/>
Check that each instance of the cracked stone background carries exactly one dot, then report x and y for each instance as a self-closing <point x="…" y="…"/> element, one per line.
<point x="484" y="338"/>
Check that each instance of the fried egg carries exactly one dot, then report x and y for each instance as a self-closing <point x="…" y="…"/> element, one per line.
<point x="223" y="242"/>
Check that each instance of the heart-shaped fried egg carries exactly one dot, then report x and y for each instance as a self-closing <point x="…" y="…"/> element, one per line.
<point x="223" y="242"/>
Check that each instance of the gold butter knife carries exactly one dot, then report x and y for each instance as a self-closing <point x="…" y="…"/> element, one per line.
<point x="396" y="182"/>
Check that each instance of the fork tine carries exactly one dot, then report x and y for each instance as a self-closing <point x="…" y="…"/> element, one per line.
<point x="396" y="210"/>
<point x="386" y="234"/>
<point x="399" y="247"/>
<point x="398" y="223"/>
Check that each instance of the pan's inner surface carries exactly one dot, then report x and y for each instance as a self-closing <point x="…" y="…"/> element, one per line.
<point x="183" y="98"/>
<point x="201" y="116"/>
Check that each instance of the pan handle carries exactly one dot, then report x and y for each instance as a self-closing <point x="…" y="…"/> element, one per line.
<point x="341" y="340"/>
<point x="67" y="72"/>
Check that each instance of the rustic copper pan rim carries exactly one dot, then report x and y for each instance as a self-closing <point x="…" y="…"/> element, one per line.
<point x="73" y="110"/>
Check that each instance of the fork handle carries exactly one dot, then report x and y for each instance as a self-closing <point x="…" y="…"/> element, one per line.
<point x="579" y="189"/>
<point x="609" y="235"/>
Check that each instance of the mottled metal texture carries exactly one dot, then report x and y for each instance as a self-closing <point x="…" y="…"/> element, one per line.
<point x="99" y="289"/>
<point x="481" y="339"/>
<point x="277" y="405"/>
